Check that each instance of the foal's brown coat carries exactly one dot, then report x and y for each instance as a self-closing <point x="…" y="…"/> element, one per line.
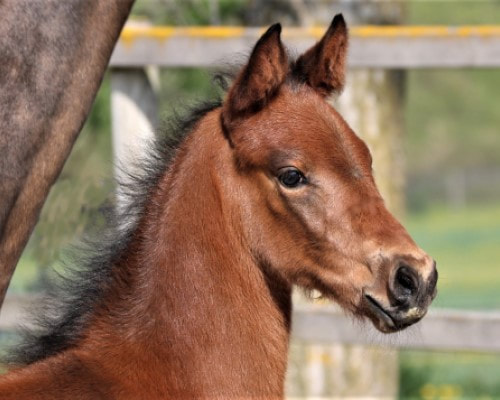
<point x="270" y="190"/>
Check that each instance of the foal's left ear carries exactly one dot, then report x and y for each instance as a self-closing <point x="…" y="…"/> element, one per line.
<point x="259" y="80"/>
<point x="323" y="66"/>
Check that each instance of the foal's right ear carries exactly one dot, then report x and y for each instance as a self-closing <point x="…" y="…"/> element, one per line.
<point x="323" y="66"/>
<point x="259" y="80"/>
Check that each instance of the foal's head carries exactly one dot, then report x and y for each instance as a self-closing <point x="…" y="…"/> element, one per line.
<point x="311" y="210"/>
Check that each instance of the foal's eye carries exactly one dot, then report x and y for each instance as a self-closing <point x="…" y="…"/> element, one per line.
<point x="291" y="177"/>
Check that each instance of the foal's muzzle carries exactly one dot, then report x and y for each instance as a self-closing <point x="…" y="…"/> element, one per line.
<point x="409" y="297"/>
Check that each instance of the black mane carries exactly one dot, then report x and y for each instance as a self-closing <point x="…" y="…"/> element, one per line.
<point x="71" y="298"/>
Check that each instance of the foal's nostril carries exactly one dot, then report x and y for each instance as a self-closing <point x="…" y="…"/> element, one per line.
<point x="406" y="281"/>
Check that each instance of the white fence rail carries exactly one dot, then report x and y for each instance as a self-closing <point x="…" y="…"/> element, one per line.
<point x="370" y="46"/>
<point x="441" y="329"/>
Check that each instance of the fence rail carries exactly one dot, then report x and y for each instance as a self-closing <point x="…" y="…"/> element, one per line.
<point x="439" y="330"/>
<point x="370" y="46"/>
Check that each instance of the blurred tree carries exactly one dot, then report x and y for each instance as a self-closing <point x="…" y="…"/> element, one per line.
<point x="261" y="12"/>
<point x="191" y="12"/>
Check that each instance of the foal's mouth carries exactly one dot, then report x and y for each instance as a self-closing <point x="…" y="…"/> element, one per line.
<point x="379" y="316"/>
<point x="388" y="320"/>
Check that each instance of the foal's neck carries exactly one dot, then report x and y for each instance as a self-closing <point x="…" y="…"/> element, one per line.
<point x="194" y="239"/>
<point x="208" y="302"/>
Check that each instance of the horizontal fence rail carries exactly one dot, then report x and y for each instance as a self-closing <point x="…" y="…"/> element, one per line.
<point x="439" y="330"/>
<point x="370" y="46"/>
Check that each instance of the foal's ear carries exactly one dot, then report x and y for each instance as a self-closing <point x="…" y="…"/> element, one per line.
<point x="259" y="80"/>
<point x="323" y="66"/>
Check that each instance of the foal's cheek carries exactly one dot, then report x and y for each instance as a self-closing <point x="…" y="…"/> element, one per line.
<point x="312" y="214"/>
<point x="315" y="219"/>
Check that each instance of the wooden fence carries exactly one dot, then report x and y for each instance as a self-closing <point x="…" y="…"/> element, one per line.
<point x="370" y="46"/>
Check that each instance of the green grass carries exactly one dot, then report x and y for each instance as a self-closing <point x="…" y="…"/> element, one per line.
<point x="438" y="375"/>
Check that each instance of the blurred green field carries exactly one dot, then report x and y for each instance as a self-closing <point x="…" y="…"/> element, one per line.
<point x="439" y="375"/>
<point x="466" y="245"/>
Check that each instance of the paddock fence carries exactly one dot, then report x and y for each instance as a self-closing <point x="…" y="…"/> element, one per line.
<point x="370" y="46"/>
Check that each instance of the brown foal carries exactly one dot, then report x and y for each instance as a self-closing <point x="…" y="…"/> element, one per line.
<point x="270" y="189"/>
